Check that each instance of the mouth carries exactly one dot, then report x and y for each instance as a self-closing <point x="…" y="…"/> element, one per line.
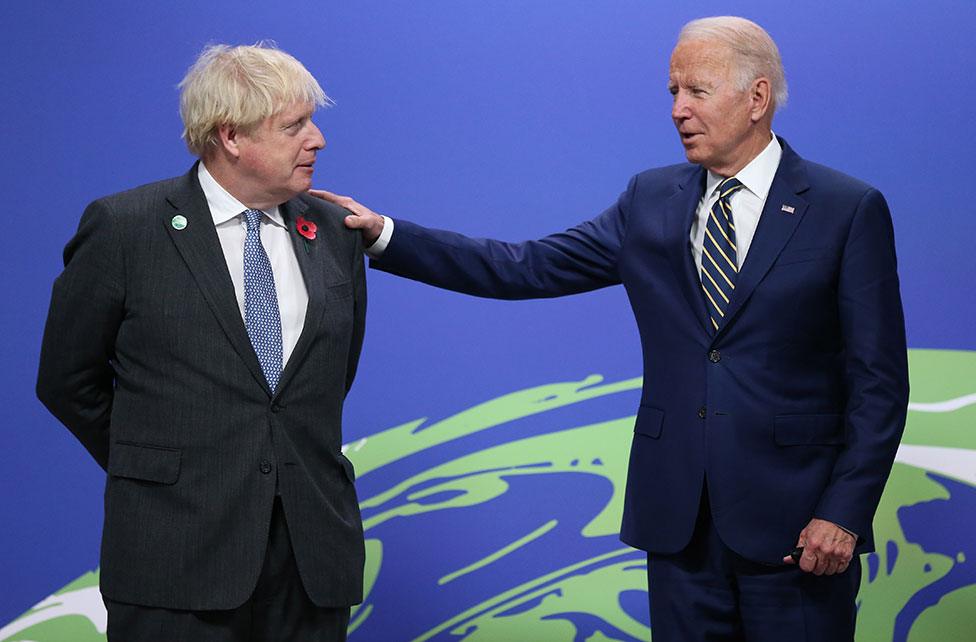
<point x="688" y="137"/>
<point x="309" y="166"/>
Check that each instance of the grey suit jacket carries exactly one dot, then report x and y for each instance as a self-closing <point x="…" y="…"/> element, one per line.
<point x="147" y="361"/>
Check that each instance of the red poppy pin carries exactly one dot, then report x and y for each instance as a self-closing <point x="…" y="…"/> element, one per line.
<point x="306" y="228"/>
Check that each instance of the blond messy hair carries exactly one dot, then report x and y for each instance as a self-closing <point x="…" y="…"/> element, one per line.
<point x="240" y="87"/>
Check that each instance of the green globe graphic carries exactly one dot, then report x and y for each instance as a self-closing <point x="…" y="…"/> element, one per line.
<point x="499" y="523"/>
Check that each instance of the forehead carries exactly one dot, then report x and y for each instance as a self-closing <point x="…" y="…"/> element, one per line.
<point x="289" y="113"/>
<point x="700" y="60"/>
<point x="293" y="111"/>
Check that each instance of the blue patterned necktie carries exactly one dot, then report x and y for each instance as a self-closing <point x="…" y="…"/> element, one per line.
<point x="261" y="316"/>
<point x="719" y="267"/>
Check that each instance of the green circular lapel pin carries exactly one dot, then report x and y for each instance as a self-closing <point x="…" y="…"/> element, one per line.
<point x="178" y="222"/>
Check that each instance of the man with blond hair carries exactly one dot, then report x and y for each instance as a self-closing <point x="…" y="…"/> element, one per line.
<point x="200" y="344"/>
<point x="775" y="376"/>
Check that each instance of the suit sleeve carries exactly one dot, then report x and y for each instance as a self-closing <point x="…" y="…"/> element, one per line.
<point x="359" y="311"/>
<point x="75" y="377"/>
<point x="580" y="259"/>
<point x="876" y="364"/>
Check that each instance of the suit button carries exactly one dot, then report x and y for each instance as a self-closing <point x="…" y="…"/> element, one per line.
<point x="265" y="466"/>
<point x="702" y="412"/>
<point x="275" y="408"/>
<point x="714" y="356"/>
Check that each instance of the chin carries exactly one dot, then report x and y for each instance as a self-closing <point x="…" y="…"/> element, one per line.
<point x="699" y="157"/>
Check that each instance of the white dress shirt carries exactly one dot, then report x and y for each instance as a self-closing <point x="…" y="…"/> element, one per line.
<point x="747" y="203"/>
<point x="228" y="219"/>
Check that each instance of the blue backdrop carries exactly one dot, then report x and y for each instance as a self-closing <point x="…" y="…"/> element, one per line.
<point x="509" y="119"/>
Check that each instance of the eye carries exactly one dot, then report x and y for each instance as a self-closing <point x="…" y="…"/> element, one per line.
<point x="295" y="125"/>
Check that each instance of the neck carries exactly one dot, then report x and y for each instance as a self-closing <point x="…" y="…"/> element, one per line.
<point x="226" y="177"/>
<point x="751" y="147"/>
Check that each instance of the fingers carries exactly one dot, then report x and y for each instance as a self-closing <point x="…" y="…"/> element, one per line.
<point x="825" y="558"/>
<point x="812" y="562"/>
<point x="325" y="195"/>
<point x="346" y="202"/>
<point x="343" y="201"/>
<point x="827" y="548"/>
<point x="819" y="564"/>
<point x="809" y="562"/>
<point x="370" y="224"/>
<point x="361" y="217"/>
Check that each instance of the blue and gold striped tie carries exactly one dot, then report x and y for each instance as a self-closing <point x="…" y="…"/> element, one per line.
<point x="719" y="266"/>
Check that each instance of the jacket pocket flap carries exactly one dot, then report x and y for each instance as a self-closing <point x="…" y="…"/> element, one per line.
<point x="143" y="461"/>
<point x="649" y="421"/>
<point x="799" y="430"/>
<point x="788" y="257"/>
<point x="338" y="291"/>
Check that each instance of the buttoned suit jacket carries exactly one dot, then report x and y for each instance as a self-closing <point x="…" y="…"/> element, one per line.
<point x="793" y="409"/>
<point x="146" y="359"/>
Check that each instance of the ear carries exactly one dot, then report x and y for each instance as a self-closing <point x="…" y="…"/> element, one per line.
<point x="760" y="98"/>
<point x="229" y="135"/>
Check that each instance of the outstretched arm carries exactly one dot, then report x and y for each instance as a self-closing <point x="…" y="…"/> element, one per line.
<point x="582" y="258"/>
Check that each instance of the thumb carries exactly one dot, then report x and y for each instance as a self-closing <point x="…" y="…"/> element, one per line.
<point x="800" y="543"/>
<point x="355" y="222"/>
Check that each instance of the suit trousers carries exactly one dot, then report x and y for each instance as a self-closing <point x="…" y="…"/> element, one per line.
<point x="708" y="593"/>
<point x="279" y="610"/>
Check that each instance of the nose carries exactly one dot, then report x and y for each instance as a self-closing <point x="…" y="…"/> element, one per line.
<point x="316" y="139"/>
<point x="679" y="108"/>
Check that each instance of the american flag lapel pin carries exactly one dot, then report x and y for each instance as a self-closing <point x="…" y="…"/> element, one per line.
<point x="789" y="209"/>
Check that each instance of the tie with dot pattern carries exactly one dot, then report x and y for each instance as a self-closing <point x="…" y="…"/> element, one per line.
<point x="719" y="268"/>
<point x="261" y="316"/>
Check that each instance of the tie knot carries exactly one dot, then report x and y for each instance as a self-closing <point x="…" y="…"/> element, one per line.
<point x="252" y="218"/>
<point x="729" y="186"/>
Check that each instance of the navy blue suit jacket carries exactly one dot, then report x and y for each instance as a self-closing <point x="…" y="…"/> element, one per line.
<point x="792" y="410"/>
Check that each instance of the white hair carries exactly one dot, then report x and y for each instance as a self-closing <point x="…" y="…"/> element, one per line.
<point x="756" y="55"/>
<point x="241" y="86"/>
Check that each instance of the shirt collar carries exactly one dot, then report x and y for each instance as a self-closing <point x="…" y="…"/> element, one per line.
<point x="757" y="176"/>
<point x="223" y="205"/>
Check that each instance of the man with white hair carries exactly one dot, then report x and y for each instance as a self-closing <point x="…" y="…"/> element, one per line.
<point x="775" y="371"/>
<point x="200" y="344"/>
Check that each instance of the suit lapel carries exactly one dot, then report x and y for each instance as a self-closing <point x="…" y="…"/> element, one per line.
<point x="200" y="248"/>
<point x="776" y="227"/>
<point x="680" y="210"/>
<point x="308" y="252"/>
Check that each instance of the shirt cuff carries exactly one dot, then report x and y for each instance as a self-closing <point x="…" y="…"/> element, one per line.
<point x="376" y="250"/>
